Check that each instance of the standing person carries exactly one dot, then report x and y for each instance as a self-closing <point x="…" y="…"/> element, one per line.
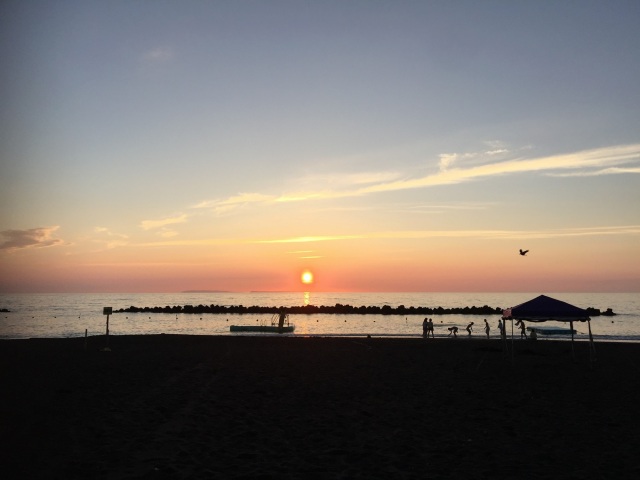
<point x="487" y="328"/>
<point x="469" y="328"/>
<point x="523" y="332"/>
<point x="501" y="328"/>
<point x="431" y="327"/>
<point x="425" y="328"/>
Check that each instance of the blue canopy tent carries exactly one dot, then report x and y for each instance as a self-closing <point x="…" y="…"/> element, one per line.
<point x="544" y="308"/>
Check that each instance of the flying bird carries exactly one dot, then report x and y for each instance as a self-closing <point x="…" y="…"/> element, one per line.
<point x="523" y="252"/>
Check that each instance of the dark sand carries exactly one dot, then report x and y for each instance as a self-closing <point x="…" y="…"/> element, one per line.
<point x="273" y="407"/>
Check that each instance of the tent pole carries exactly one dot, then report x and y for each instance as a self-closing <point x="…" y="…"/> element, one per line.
<point x="592" y="347"/>
<point x="503" y="338"/>
<point x="573" y="353"/>
<point x="512" y="348"/>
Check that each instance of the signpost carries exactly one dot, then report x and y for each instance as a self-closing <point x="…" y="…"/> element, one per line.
<point x="107" y="311"/>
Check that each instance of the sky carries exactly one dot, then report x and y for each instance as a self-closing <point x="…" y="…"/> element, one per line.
<point x="383" y="146"/>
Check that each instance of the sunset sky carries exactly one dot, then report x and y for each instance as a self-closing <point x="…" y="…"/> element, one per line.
<point x="161" y="146"/>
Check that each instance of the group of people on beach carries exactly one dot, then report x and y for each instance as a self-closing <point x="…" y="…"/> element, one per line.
<point x="427" y="328"/>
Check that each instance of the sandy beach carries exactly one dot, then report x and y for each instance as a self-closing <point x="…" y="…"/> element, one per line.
<point x="167" y="406"/>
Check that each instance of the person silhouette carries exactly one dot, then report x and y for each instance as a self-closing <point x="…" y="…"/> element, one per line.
<point x="501" y="327"/>
<point x="425" y="328"/>
<point x="453" y="330"/>
<point x="523" y="331"/>
<point x="469" y="328"/>
<point x="487" y="328"/>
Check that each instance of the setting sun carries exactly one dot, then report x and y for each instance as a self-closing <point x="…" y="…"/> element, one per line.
<point x="307" y="277"/>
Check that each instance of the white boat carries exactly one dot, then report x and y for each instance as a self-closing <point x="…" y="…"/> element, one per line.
<point x="279" y="324"/>
<point x="551" y="330"/>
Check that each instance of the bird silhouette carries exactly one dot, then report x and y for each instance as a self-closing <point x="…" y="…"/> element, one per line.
<point x="523" y="252"/>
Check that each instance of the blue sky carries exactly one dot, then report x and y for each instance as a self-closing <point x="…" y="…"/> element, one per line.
<point x="168" y="136"/>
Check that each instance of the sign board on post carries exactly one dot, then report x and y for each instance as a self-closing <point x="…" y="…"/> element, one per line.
<point x="107" y="310"/>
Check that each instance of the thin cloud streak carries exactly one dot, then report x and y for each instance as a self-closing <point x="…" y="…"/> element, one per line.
<point x="320" y="238"/>
<point x="236" y="201"/>
<point x="622" y="230"/>
<point x="113" y="239"/>
<point x="513" y="234"/>
<point x="154" y="224"/>
<point x="138" y="264"/>
<point x="159" y="55"/>
<point x="604" y="171"/>
<point x="207" y="242"/>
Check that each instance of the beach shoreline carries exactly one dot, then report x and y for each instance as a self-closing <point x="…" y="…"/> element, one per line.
<point x="178" y="406"/>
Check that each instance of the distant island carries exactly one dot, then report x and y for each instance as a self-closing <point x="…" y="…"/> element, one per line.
<point x="274" y="291"/>
<point x="205" y="291"/>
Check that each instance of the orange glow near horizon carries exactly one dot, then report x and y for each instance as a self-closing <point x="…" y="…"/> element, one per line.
<point x="434" y="265"/>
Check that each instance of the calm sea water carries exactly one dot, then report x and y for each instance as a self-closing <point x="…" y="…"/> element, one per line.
<point x="68" y="315"/>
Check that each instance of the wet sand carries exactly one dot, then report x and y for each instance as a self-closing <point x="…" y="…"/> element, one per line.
<point x="168" y="406"/>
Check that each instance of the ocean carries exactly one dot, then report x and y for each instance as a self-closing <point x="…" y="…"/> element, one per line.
<point x="69" y="315"/>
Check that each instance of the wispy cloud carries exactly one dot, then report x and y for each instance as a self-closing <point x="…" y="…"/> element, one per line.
<point x="623" y="230"/>
<point x="447" y="160"/>
<point x="319" y="238"/>
<point x="452" y="168"/>
<point x="204" y="242"/>
<point x="111" y="239"/>
<point x="437" y="208"/>
<point x="154" y="224"/>
<point x="331" y="185"/>
<point x="31" y="238"/>
<point x="136" y="264"/>
<point x="236" y="201"/>
<point x="588" y="159"/>
<point x="341" y="180"/>
<point x="159" y="55"/>
<point x="596" y="173"/>
<point x="168" y="234"/>
<point x="485" y="234"/>
<point x="305" y="254"/>
<point x="567" y="232"/>
<point x="496" y="147"/>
